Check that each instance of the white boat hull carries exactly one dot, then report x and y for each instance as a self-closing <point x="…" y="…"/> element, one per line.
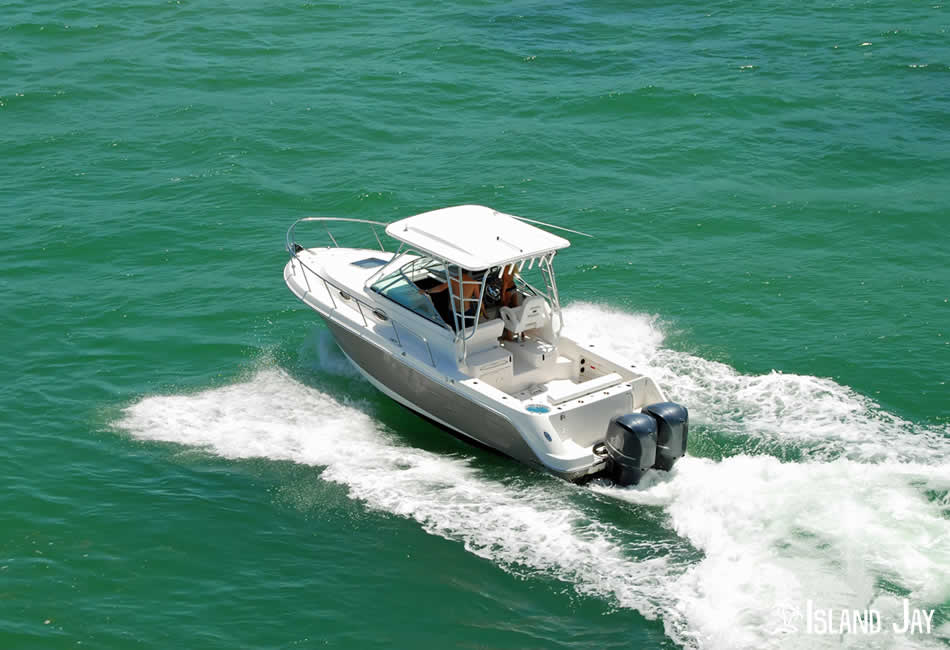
<point x="541" y="399"/>
<point x="416" y="391"/>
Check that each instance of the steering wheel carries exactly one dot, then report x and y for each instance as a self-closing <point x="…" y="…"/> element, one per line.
<point x="493" y="288"/>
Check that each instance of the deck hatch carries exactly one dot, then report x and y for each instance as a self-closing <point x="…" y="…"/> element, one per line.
<point x="369" y="263"/>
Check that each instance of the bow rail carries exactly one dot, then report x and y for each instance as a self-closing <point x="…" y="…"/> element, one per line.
<point x="293" y="248"/>
<point x="291" y="232"/>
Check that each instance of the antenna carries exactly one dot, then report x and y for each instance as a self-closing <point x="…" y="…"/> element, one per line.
<point x="550" y="225"/>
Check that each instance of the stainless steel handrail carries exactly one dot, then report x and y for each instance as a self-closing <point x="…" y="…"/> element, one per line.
<point x="327" y="283"/>
<point x="418" y="336"/>
<point x="290" y="241"/>
<point x="547" y="271"/>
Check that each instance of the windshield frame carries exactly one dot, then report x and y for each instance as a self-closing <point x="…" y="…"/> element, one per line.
<point x="413" y="259"/>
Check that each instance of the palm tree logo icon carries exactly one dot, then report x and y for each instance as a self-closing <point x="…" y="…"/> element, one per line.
<point x="788" y="615"/>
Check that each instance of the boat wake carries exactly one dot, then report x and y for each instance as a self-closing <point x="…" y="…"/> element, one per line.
<point x="815" y="417"/>
<point x="856" y="525"/>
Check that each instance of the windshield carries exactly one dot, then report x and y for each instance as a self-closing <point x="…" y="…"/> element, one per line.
<point x="406" y="286"/>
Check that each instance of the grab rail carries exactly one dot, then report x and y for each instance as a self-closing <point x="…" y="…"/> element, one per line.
<point x="293" y="248"/>
<point x="290" y="231"/>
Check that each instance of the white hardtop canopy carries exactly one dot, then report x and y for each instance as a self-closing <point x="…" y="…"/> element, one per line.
<point x="474" y="237"/>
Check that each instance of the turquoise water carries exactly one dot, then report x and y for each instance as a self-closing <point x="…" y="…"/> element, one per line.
<point x="190" y="462"/>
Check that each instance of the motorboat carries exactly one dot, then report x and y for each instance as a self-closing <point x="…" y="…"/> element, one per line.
<point x="457" y="317"/>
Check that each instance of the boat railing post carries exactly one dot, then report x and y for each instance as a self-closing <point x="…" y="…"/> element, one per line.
<point x="290" y="239"/>
<point x="360" y="307"/>
<point x="456" y="304"/>
<point x="396" y="332"/>
<point x="481" y="298"/>
<point x="426" y="341"/>
<point x="331" y="237"/>
<point x="551" y="285"/>
<point x="452" y="307"/>
<point x="376" y="234"/>
<point x="303" y="271"/>
<point x="465" y="302"/>
<point x="329" y="293"/>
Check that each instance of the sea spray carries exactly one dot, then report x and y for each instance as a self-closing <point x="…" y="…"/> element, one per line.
<point x="815" y="416"/>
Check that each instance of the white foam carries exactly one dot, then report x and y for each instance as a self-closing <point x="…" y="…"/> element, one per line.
<point x="820" y="418"/>
<point x="778" y="534"/>
<point x="535" y="527"/>
<point x="839" y="530"/>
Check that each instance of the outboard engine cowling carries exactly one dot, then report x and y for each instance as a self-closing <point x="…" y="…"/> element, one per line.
<point x="672" y="426"/>
<point x="631" y="447"/>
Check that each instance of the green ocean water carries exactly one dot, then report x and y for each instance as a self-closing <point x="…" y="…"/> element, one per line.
<point x="188" y="461"/>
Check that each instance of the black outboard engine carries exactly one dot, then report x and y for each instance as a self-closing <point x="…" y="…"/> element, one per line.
<point x="672" y="422"/>
<point x="636" y="442"/>
<point x="631" y="447"/>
